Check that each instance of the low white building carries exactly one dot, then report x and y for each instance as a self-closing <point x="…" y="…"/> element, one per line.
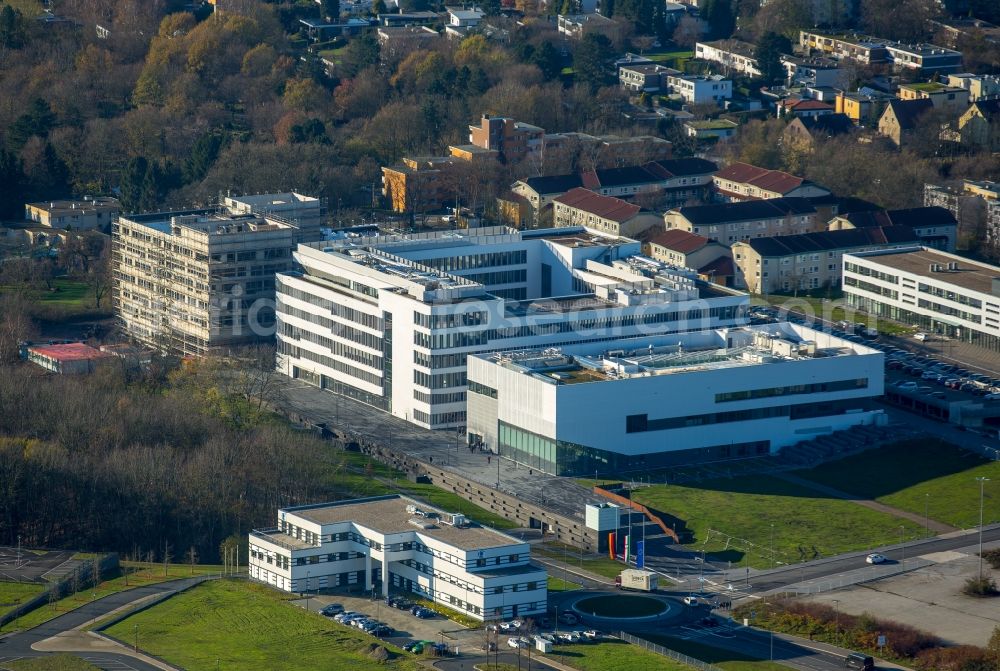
<point x="395" y="542"/>
<point x="934" y="290"/>
<point x="699" y="89"/>
<point x="639" y="404"/>
<point x="736" y="56"/>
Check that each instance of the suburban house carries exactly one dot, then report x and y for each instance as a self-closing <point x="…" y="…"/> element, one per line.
<point x="803" y="132"/>
<point x="644" y="77"/>
<point x="925" y="59"/>
<point x="700" y="89"/>
<point x="742" y="181"/>
<point x="734" y="55"/>
<point x="810" y="260"/>
<point x="602" y="214"/>
<point x="980" y="125"/>
<point x="576" y="26"/>
<point x="862" y="108"/>
<point x="803" y="107"/>
<point x="689" y="250"/>
<point x="728" y="223"/>
<point x="980" y="87"/>
<point x="941" y="95"/>
<point x="934" y="226"/>
<point x="710" y="129"/>
<point x="813" y="71"/>
<point x="459" y="17"/>
<point x="397" y="41"/>
<point x="901" y="117"/>
<point x="79" y="215"/>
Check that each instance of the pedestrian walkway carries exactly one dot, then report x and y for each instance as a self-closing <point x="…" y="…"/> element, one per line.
<point x="933" y="525"/>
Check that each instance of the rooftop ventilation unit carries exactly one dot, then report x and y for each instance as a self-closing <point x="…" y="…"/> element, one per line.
<point x="421" y="523"/>
<point x="454" y="519"/>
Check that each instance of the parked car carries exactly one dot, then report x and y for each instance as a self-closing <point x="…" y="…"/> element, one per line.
<point x="516" y="642"/>
<point x="875" y="558"/>
<point x="331" y="609"/>
<point x="424" y="613"/>
<point x="507" y="627"/>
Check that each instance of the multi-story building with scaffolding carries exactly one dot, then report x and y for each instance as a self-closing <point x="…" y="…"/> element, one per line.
<point x="198" y="281"/>
<point x="975" y="204"/>
<point x="639" y="404"/>
<point x="390" y="320"/>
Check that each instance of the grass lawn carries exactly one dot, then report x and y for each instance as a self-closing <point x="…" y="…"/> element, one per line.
<point x="919" y="475"/>
<point x="139" y="574"/>
<point x="13" y="593"/>
<point x="831" y="310"/>
<point x="602" y="566"/>
<point x="247" y="626"/>
<point x="51" y="663"/>
<point x="69" y="293"/>
<point x="804" y="525"/>
<point x="560" y="585"/>
<point x="724" y="659"/>
<point x="613" y="655"/>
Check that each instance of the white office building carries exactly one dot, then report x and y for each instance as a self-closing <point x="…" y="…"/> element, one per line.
<point x="395" y="542"/>
<point x="635" y="405"/>
<point x="390" y="320"/>
<point x="936" y="291"/>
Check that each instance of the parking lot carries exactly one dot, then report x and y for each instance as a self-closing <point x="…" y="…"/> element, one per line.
<point x="29" y="566"/>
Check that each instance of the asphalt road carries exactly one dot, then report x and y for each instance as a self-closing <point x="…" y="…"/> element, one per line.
<point x="18" y="645"/>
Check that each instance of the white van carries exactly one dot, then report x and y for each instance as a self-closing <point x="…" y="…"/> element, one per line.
<point x="921" y="337"/>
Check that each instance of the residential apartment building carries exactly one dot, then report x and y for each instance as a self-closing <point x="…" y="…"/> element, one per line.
<point x="198" y="281"/>
<point x="631" y="406"/>
<point x="80" y="215"/>
<point x="901" y="118"/>
<point x="736" y="56"/>
<point x="810" y="260"/>
<point x="941" y="95"/>
<point x="939" y="292"/>
<point x="673" y="181"/>
<point x="979" y="127"/>
<point x="512" y="140"/>
<point x="804" y="108"/>
<point x="813" y="72"/>
<point x="972" y="204"/>
<point x="688" y="250"/>
<point x="601" y="214"/>
<point x="742" y="181"/>
<point x="864" y="109"/>
<point x="934" y="226"/>
<point x="980" y="87"/>
<point x="729" y="223"/>
<point x="644" y="77"/>
<point x="700" y="89"/>
<point x="575" y="26"/>
<point x="390" y="320"/>
<point x="393" y="542"/>
<point x="925" y="59"/>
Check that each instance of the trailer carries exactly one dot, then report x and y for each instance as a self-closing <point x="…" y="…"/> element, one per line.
<point x="636" y="579"/>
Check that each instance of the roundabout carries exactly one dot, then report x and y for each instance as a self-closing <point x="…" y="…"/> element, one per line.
<point x="621" y="606"/>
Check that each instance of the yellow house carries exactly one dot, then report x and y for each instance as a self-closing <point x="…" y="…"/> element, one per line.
<point x="943" y="97"/>
<point x="863" y="109"/>
<point x="980" y="125"/>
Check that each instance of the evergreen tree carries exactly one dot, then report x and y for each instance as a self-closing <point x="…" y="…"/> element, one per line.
<point x="139" y="185"/>
<point x="549" y="60"/>
<point x="608" y="8"/>
<point x="770" y="48"/>
<point x="331" y="8"/>
<point x="51" y="179"/>
<point x="203" y="154"/>
<point x="721" y="22"/>
<point x="11" y="28"/>
<point x="359" y="53"/>
<point x="11" y="186"/>
<point x="38" y="120"/>
<point x="378" y="7"/>
<point x="592" y="61"/>
<point x="490" y="7"/>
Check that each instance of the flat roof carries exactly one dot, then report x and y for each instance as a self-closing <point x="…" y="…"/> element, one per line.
<point x="681" y="353"/>
<point x="388" y="515"/>
<point x="74" y="351"/>
<point x="970" y="275"/>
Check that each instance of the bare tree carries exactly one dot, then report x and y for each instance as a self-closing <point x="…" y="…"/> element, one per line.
<point x="192" y="557"/>
<point x="167" y="557"/>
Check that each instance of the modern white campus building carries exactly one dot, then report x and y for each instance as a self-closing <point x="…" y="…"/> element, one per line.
<point x="933" y="290"/>
<point x="390" y="320"/>
<point x="396" y="542"/>
<point x="638" y="404"/>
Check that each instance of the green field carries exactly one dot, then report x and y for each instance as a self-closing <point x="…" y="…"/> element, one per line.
<point x="919" y="476"/>
<point x="246" y="626"/>
<point x="139" y="574"/>
<point x="51" y="663"/>
<point x="613" y="655"/>
<point x="803" y="524"/>
<point x="831" y="310"/>
<point x="724" y="659"/>
<point x="602" y="566"/>
<point x="561" y="585"/>
<point x="13" y="593"/>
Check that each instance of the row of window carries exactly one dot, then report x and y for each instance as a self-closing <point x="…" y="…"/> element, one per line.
<point x="439" y="380"/>
<point x="950" y="295"/>
<point x="439" y="418"/>
<point x="289" y="349"/>
<point x="642" y="423"/>
<point x="447" y="397"/>
<point x="870" y="272"/>
<point x="473" y="261"/>
<point x="868" y="286"/>
<point x="948" y="310"/>
<point x="499" y="277"/>
<point x="438" y="360"/>
<point x="451" y="320"/>
<point x="791" y="390"/>
<point x="482" y="389"/>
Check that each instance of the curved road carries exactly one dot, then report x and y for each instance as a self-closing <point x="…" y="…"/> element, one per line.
<point x="18" y="645"/>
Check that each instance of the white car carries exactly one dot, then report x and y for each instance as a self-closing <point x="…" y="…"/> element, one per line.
<point x="691" y="600"/>
<point x="875" y="558"/>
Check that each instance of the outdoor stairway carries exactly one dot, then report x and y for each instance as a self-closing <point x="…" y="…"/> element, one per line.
<point x="839" y="444"/>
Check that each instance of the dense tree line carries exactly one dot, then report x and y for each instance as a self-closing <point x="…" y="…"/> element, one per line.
<point x="128" y="462"/>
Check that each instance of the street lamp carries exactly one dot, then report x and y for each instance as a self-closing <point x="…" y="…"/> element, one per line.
<point x="307" y="591"/>
<point x="836" y="615"/>
<point x="136" y="629"/>
<point x="927" y="518"/>
<point x="772" y="545"/>
<point x="982" y="483"/>
<point x="902" y="546"/>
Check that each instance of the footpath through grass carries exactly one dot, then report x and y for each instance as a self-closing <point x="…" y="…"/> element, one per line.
<point x="724" y="659"/>
<point x="139" y="575"/>
<point x="247" y="626"/>
<point x="613" y="655"/>
<point x="755" y="509"/>
<point x="920" y="476"/>
<point x="51" y="663"/>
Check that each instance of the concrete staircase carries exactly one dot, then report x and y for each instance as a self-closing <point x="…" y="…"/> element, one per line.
<point x="813" y="452"/>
